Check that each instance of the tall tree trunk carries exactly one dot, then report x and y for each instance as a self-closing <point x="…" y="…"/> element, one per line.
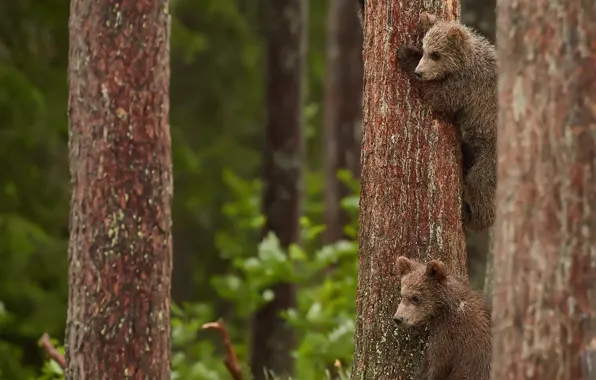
<point x="118" y="324"/>
<point x="285" y="25"/>
<point x="343" y="109"/>
<point x="480" y="15"/>
<point x="410" y="190"/>
<point x="545" y="256"/>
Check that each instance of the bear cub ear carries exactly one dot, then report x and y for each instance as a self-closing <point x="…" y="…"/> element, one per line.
<point x="457" y="35"/>
<point x="404" y="266"/>
<point x="427" y="20"/>
<point x="436" y="269"/>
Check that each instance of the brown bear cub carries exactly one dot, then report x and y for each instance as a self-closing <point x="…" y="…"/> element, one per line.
<point x="458" y="321"/>
<point x="455" y="72"/>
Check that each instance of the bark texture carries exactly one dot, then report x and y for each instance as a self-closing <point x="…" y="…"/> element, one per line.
<point x="343" y="109"/>
<point x="545" y="257"/>
<point x="285" y="25"/>
<point x="118" y="324"/>
<point x="410" y="190"/>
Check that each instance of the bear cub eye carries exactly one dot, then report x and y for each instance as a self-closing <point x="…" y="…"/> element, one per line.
<point x="435" y="56"/>
<point x="415" y="300"/>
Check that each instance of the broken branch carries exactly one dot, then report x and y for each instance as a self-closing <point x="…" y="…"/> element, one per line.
<point x="53" y="353"/>
<point x="230" y="360"/>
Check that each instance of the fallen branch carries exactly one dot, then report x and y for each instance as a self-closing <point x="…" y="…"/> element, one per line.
<point x="230" y="360"/>
<point x="53" y="353"/>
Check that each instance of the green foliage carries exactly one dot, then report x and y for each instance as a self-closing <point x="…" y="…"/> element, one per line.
<point x="216" y="126"/>
<point x="33" y="180"/>
<point x="50" y="369"/>
<point x="325" y="276"/>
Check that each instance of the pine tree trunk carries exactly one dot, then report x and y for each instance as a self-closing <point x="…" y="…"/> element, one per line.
<point x="118" y="324"/>
<point x="545" y="256"/>
<point x="410" y="191"/>
<point x="273" y="339"/>
<point x="343" y="110"/>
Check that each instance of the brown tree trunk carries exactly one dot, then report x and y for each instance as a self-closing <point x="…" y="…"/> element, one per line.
<point x="285" y="25"/>
<point x="119" y="254"/>
<point x="410" y="190"/>
<point x="343" y="109"/>
<point x="480" y="15"/>
<point x="545" y="258"/>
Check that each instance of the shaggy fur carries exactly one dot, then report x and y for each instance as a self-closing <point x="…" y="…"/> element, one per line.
<point x="458" y="320"/>
<point x="455" y="72"/>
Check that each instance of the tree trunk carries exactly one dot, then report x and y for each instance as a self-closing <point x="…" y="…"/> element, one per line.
<point x="285" y="26"/>
<point x="480" y="15"/>
<point x="118" y="324"/>
<point x="545" y="257"/>
<point x="343" y="110"/>
<point x="410" y="191"/>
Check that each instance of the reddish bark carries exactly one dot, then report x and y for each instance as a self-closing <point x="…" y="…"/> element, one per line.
<point x="410" y="191"/>
<point x="118" y="323"/>
<point x="273" y="339"/>
<point x="343" y="109"/>
<point x="545" y="262"/>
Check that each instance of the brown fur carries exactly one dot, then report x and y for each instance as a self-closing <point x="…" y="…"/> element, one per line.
<point x="459" y="324"/>
<point x="456" y="74"/>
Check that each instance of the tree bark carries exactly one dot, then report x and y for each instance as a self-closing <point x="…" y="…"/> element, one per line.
<point x="343" y="110"/>
<point x="410" y="190"/>
<point x="285" y="26"/>
<point x="545" y="260"/>
<point x="480" y="15"/>
<point x="118" y="324"/>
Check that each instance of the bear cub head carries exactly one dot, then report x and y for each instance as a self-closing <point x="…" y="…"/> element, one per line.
<point x="444" y="48"/>
<point x="422" y="291"/>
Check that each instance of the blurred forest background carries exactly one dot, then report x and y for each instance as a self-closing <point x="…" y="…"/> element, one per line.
<point x="222" y="266"/>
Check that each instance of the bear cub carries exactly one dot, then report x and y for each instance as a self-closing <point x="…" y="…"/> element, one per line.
<point x="457" y="318"/>
<point x="455" y="73"/>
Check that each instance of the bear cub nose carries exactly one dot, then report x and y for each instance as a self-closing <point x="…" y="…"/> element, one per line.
<point x="398" y="320"/>
<point x="418" y="74"/>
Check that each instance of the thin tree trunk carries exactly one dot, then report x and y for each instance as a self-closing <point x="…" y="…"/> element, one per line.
<point x="410" y="191"/>
<point x="285" y="25"/>
<point x="118" y="324"/>
<point x="343" y="109"/>
<point x="545" y="256"/>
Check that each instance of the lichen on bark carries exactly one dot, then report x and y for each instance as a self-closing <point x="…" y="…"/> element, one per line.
<point x="410" y="190"/>
<point x="545" y="261"/>
<point x="118" y="324"/>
